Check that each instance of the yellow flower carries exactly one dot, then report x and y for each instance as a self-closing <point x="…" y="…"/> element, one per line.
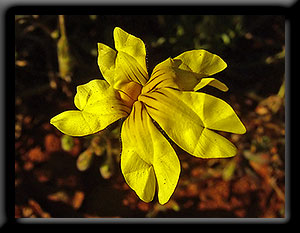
<point x="167" y="98"/>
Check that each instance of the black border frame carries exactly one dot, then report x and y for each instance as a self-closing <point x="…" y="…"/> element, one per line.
<point x="290" y="16"/>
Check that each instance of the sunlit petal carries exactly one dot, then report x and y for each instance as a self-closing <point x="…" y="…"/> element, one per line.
<point x="125" y="65"/>
<point x="189" y="117"/>
<point x="131" y="45"/>
<point x="186" y="78"/>
<point x="75" y="123"/>
<point x="212" y="82"/>
<point x="200" y="62"/>
<point x="99" y="105"/>
<point x="107" y="63"/>
<point x="147" y="157"/>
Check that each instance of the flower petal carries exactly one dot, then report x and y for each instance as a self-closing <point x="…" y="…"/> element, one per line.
<point x="147" y="157"/>
<point x="215" y="113"/>
<point x="212" y="82"/>
<point x="75" y="123"/>
<point x="99" y="106"/>
<point x="131" y="45"/>
<point x="201" y="62"/>
<point x="188" y="117"/>
<point x="106" y="62"/>
<point x="126" y="64"/>
<point x="128" y="67"/>
<point x="186" y="78"/>
<point x="138" y="174"/>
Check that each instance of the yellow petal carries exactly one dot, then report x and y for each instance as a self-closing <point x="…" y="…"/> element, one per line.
<point x="215" y="113"/>
<point x="162" y="76"/>
<point x="106" y="62"/>
<point x="212" y="145"/>
<point x="212" y="82"/>
<point x="99" y="106"/>
<point x="125" y="65"/>
<point x="188" y="117"/>
<point x="201" y="62"/>
<point x="147" y="158"/>
<point x="186" y="78"/>
<point x="86" y="91"/>
<point x="131" y="45"/>
<point x="138" y="174"/>
<point x="75" y="123"/>
<point x="128" y="67"/>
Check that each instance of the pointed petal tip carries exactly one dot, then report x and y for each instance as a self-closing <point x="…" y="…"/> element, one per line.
<point x="223" y="64"/>
<point x="117" y="31"/>
<point x="239" y="129"/>
<point x="243" y="129"/>
<point x="53" y="120"/>
<point x="224" y="88"/>
<point x="117" y="28"/>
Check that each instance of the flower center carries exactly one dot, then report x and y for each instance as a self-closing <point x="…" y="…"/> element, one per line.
<point x="129" y="93"/>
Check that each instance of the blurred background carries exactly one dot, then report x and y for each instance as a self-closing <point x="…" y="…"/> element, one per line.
<point x="61" y="176"/>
